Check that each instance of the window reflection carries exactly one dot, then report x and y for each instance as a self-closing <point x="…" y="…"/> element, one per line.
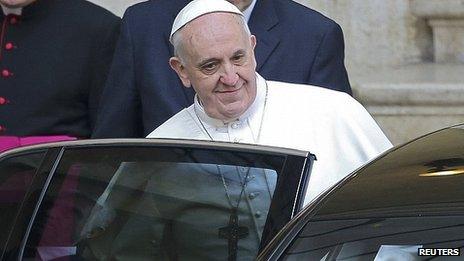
<point x="16" y="174"/>
<point x="389" y="238"/>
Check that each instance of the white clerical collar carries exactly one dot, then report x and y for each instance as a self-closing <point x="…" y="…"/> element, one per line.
<point x="252" y="116"/>
<point x="248" y="10"/>
<point x="15" y="11"/>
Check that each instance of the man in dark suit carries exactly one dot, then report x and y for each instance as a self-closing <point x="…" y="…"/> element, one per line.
<point x="294" y="44"/>
<point x="54" y="58"/>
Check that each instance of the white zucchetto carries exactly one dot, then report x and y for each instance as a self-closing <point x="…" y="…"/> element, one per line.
<point x="198" y="8"/>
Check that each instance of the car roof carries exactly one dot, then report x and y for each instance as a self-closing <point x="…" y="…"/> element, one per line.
<point x="420" y="177"/>
<point x="391" y="185"/>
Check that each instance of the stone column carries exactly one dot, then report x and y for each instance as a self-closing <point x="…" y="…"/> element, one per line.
<point x="446" y="17"/>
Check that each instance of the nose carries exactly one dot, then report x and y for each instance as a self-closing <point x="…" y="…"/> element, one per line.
<point x="229" y="77"/>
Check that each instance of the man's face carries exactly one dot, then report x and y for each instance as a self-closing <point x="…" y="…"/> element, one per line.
<point x="15" y="3"/>
<point x="218" y="61"/>
<point x="241" y="4"/>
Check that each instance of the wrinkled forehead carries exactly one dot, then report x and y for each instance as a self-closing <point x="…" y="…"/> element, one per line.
<point x="212" y="30"/>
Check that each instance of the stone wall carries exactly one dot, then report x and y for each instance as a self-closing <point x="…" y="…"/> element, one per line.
<point x="378" y="33"/>
<point x="405" y="59"/>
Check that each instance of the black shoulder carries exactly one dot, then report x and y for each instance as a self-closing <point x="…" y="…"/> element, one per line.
<point x="84" y="9"/>
<point x="155" y="8"/>
<point x="81" y="15"/>
<point x="82" y="18"/>
<point x="296" y="14"/>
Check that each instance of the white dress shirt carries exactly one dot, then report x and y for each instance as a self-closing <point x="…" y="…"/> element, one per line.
<point x="15" y="11"/>
<point x="248" y="10"/>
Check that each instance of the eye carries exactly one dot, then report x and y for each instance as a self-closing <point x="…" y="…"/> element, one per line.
<point x="238" y="58"/>
<point x="209" y="68"/>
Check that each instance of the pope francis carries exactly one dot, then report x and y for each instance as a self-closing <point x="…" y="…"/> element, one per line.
<point x="214" y="54"/>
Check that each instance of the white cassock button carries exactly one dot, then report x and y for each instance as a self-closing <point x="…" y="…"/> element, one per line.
<point x="258" y="214"/>
<point x="235" y="125"/>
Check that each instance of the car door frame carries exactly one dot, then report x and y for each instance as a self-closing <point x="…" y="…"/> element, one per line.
<point x="55" y="152"/>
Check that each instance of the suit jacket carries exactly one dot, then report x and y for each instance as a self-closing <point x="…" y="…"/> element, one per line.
<point x="294" y="44"/>
<point x="57" y="55"/>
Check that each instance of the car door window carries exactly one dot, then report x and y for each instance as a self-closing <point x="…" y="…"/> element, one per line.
<point x="16" y="174"/>
<point x="156" y="203"/>
<point x="385" y="238"/>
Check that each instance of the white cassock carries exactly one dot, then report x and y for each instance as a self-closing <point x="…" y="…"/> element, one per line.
<point x="330" y="124"/>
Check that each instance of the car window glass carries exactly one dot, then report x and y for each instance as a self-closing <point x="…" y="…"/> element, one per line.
<point x="163" y="204"/>
<point x="16" y="174"/>
<point x="388" y="238"/>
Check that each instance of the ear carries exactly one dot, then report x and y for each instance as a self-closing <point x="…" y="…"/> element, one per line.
<point x="253" y="45"/>
<point x="253" y="41"/>
<point x="177" y="66"/>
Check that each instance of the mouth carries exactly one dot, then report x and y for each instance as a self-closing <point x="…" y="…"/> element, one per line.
<point x="229" y="90"/>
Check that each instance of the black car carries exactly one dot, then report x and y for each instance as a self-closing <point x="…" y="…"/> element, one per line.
<point x="407" y="204"/>
<point x="147" y="199"/>
<point x="124" y="199"/>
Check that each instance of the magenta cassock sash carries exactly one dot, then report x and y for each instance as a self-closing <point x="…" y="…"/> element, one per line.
<point x="10" y="142"/>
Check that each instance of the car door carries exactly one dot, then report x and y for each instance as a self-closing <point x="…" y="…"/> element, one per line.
<point x="155" y="199"/>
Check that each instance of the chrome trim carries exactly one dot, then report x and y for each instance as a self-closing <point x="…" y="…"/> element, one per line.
<point x="298" y="188"/>
<point x="162" y="142"/>
<point x="458" y="126"/>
